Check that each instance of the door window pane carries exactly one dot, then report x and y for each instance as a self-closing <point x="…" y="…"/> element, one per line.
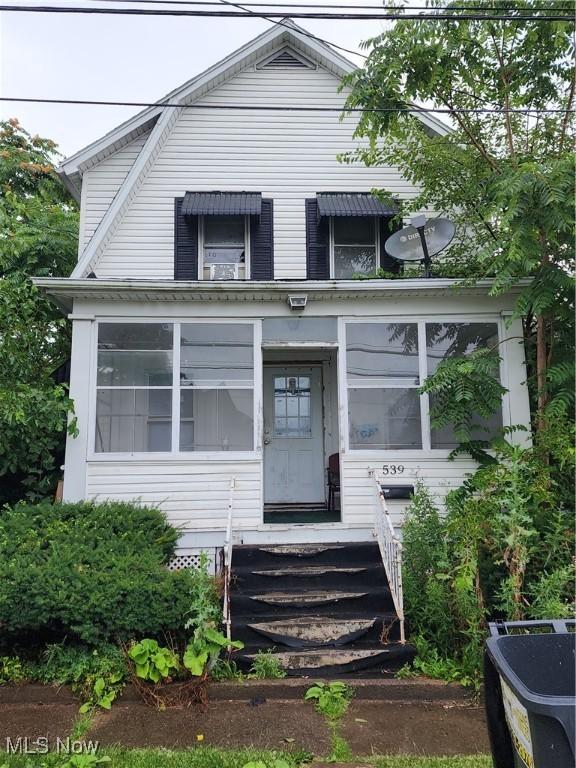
<point x="133" y="420"/>
<point x="384" y="418"/>
<point x="382" y="352"/>
<point x="216" y="420"/>
<point x="292" y="406"/>
<point x="214" y="354"/>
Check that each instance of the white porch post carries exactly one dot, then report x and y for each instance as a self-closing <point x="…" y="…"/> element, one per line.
<point x="80" y="392"/>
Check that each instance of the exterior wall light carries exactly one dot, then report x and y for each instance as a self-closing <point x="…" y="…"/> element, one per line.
<point x="297" y="302"/>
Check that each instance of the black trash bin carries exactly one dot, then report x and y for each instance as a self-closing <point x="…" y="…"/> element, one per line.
<point x="529" y="677"/>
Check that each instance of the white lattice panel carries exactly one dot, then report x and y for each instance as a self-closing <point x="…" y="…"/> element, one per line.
<point x="190" y="558"/>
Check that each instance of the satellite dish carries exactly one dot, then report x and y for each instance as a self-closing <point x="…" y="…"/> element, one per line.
<point x="420" y="243"/>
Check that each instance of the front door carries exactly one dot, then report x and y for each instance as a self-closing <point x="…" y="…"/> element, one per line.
<point x="293" y="439"/>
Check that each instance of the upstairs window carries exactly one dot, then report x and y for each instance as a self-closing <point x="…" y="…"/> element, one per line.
<point x="354" y="246"/>
<point x="225" y="247"/>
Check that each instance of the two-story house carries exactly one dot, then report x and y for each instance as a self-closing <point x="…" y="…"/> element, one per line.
<point x="218" y="330"/>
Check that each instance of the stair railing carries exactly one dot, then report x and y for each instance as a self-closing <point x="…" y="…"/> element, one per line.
<point x="390" y="549"/>
<point x="227" y="552"/>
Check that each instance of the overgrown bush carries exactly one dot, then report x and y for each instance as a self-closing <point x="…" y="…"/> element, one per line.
<point x="89" y="572"/>
<point x="503" y="550"/>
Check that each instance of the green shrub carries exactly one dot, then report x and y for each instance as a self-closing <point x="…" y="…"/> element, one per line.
<point x="266" y="666"/>
<point x="89" y="572"/>
<point x="13" y="670"/>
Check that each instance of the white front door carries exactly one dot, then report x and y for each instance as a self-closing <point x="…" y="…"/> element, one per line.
<point x="293" y="440"/>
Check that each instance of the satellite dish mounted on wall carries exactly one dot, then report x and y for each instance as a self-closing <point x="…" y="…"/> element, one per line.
<point x="421" y="240"/>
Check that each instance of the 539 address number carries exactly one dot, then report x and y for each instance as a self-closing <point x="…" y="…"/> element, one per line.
<point x="393" y="469"/>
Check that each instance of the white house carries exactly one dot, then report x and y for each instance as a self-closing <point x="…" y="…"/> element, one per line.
<point x="218" y="333"/>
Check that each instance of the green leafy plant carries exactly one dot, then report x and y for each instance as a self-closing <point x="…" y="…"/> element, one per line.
<point x="39" y="235"/>
<point x="13" y="670"/>
<point x="153" y="662"/>
<point x="274" y="763"/>
<point x="332" y="701"/>
<point x="85" y="761"/>
<point x="226" y="670"/>
<point x="96" y="675"/>
<point x="204" y="649"/>
<point x="266" y="666"/>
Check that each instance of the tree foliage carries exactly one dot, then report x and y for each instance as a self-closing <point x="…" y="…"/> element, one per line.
<point x="504" y="175"/>
<point x="38" y="237"/>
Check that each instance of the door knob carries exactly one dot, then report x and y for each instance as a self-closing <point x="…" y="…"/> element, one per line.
<point x="266" y="441"/>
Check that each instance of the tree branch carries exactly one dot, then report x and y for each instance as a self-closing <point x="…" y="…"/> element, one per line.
<point x="566" y="119"/>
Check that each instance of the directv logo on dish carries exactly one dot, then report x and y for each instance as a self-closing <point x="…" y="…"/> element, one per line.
<point x="406" y="238"/>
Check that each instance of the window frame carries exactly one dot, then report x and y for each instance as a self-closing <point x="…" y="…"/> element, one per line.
<point x="332" y="244"/>
<point x="247" y="265"/>
<point x="427" y="450"/>
<point x="175" y="453"/>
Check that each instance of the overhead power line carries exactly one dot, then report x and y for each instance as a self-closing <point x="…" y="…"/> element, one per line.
<point x="505" y="7"/>
<point x="282" y="108"/>
<point x="286" y="25"/>
<point x="390" y="16"/>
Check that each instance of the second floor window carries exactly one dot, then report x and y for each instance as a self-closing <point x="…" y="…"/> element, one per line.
<point x="225" y="247"/>
<point x="353" y="246"/>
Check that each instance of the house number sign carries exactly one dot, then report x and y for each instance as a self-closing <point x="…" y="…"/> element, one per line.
<point x="393" y="469"/>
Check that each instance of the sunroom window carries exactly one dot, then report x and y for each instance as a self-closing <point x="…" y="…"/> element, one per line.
<point x="354" y="246"/>
<point x="144" y="405"/>
<point x="216" y="387"/>
<point x="449" y="340"/>
<point x="386" y="364"/>
<point x="224" y="247"/>
<point x="134" y="387"/>
<point x="383" y="379"/>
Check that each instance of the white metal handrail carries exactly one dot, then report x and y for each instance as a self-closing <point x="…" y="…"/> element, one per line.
<point x="227" y="615"/>
<point x="390" y="549"/>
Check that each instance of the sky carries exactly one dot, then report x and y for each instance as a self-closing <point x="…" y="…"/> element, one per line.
<point x="121" y="58"/>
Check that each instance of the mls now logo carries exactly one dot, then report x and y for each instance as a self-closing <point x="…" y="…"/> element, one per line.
<point x="26" y="745"/>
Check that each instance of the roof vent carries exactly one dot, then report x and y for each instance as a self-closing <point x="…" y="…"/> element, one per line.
<point x="286" y="59"/>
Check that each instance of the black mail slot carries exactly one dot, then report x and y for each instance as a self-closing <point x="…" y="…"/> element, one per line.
<point x="397" y="491"/>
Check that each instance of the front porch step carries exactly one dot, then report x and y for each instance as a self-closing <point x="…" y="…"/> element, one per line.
<point x="322" y="609"/>
<point x="310" y="571"/>
<point x="300" y="550"/>
<point x="334" y="661"/>
<point x="305" y="599"/>
<point x="314" y="630"/>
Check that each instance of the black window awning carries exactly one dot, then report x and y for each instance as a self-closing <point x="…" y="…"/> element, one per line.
<point x="222" y="204"/>
<point x="352" y="204"/>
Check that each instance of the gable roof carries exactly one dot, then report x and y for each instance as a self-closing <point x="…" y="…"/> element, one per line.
<point x="287" y="32"/>
<point x="160" y="119"/>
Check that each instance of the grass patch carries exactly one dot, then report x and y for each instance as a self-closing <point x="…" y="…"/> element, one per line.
<point x="209" y="757"/>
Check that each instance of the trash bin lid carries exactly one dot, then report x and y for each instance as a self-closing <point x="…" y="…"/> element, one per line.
<point x="543" y="663"/>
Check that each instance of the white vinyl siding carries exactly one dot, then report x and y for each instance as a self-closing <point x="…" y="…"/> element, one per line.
<point x="100" y="185"/>
<point x="287" y="156"/>
<point x="194" y="495"/>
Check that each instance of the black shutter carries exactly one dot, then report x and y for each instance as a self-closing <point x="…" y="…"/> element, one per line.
<point x="262" y="243"/>
<point x="317" y="252"/>
<point x="185" y="244"/>
<point x="387" y="228"/>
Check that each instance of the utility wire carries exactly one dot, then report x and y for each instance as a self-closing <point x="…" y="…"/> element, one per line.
<point x="394" y="16"/>
<point x="280" y="108"/>
<point x="286" y="25"/>
<point x="506" y="7"/>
